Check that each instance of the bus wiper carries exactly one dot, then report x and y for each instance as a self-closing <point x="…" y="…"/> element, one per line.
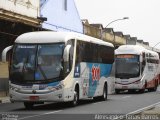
<point x="42" y="71"/>
<point x="25" y="64"/>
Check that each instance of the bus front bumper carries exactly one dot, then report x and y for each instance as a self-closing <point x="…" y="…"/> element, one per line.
<point x="128" y="87"/>
<point x="56" y="96"/>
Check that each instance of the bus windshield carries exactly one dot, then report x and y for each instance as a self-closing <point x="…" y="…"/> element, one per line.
<point x="37" y="63"/>
<point x="127" y="66"/>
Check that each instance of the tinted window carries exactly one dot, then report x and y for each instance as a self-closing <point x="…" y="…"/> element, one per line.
<point x="91" y="52"/>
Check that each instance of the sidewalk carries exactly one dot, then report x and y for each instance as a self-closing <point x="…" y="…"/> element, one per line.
<point x="155" y="110"/>
<point x="3" y="78"/>
<point x="4" y="70"/>
<point x="4" y="100"/>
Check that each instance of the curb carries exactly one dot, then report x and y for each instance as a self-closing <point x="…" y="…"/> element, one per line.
<point x="138" y="111"/>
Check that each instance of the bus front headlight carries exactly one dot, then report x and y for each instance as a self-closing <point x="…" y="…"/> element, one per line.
<point x="58" y="87"/>
<point x="14" y="88"/>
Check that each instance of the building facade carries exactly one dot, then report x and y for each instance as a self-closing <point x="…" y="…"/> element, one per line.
<point x="61" y="15"/>
<point x="16" y="18"/>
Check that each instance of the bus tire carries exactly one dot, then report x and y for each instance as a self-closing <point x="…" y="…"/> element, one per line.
<point x="105" y="93"/>
<point x="28" y="105"/>
<point x="154" y="88"/>
<point x="96" y="99"/>
<point x="117" y="91"/>
<point x="131" y="91"/>
<point x="76" y="97"/>
<point x="143" y="89"/>
<point x="156" y="85"/>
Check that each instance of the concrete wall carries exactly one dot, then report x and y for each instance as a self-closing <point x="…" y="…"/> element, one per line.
<point x="92" y="31"/>
<point x="105" y="35"/>
<point x="120" y="40"/>
<point x="109" y="37"/>
<point x="24" y="7"/>
<point x="131" y="42"/>
<point x="4" y="85"/>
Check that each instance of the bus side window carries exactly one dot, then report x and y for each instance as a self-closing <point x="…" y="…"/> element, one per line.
<point x="143" y="62"/>
<point x="70" y="58"/>
<point x="143" y="59"/>
<point x="79" y="52"/>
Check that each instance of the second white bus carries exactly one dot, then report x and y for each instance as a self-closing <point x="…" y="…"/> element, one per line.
<point x="136" y="69"/>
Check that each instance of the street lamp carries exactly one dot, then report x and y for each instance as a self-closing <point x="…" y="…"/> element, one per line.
<point x="124" y="18"/>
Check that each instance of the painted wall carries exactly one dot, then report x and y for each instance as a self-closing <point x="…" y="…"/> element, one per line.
<point x="62" y="15"/>
<point x="92" y="31"/>
<point x="120" y="40"/>
<point x="109" y="37"/>
<point x="28" y="8"/>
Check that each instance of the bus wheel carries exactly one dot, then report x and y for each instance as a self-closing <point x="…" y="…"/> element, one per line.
<point x="156" y="85"/>
<point x="105" y="92"/>
<point x="142" y="90"/>
<point x="117" y="91"/>
<point x="154" y="88"/>
<point x="131" y="91"/>
<point x="76" y="98"/>
<point x="28" y="105"/>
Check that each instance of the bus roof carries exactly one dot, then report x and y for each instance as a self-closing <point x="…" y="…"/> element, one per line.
<point x="130" y="49"/>
<point x="54" y="37"/>
<point x="134" y="49"/>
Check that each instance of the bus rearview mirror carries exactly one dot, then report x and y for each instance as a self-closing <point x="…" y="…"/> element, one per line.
<point x="4" y="53"/>
<point x="66" y="53"/>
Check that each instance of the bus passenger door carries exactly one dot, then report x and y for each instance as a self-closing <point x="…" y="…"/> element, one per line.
<point x="84" y="79"/>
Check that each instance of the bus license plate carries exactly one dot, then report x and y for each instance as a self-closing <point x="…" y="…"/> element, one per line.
<point x="34" y="98"/>
<point x="124" y="87"/>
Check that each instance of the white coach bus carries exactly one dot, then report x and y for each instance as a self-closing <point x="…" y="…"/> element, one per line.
<point x="60" y="67"/>
<point x="136" y="69"/>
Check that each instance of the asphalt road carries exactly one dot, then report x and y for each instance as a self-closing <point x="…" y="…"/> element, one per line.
<point x="116" y="105"/>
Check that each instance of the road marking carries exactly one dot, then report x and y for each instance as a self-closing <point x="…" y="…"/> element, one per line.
<point x="39" y="115"/>
<point x="142" y="109"/>
<point x="97" y="102"/>
<point x="125" y="97"/>
<point x="138" y="111"/>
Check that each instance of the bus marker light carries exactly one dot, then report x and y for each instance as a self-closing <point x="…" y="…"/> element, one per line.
<point x="124" y="87"/>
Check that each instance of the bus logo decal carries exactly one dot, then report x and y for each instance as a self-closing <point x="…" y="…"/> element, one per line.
<point x="95" y="73"/>
<point x="77" y="71"/>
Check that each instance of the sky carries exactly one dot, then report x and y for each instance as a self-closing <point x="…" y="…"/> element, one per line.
<point x="143" y="22"/>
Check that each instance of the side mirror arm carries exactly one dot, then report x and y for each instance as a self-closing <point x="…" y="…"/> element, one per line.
<point x="66" y="53"/>
<point x="4" y="53"/>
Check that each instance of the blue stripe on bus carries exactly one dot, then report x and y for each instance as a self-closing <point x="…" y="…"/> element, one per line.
<point x="105" y="70"/>
<point x="54" y="83"/>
